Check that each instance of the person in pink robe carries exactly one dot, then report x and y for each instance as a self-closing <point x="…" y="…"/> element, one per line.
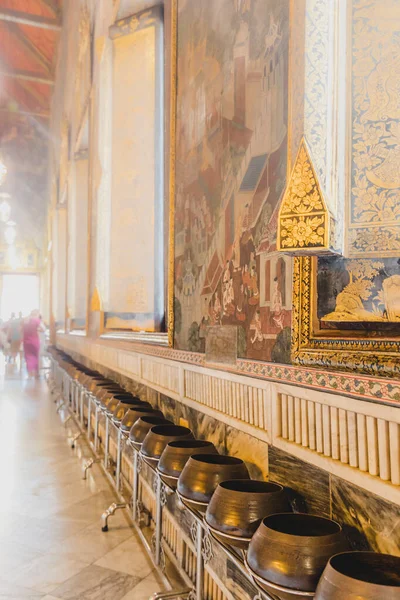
<point x="31" y="341"/>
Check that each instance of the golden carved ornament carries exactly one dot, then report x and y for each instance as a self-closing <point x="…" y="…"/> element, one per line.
<point x="304" y="220"/>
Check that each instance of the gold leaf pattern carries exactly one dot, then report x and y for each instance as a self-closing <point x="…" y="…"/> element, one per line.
<point x="303" y="216"/>
<point x="375" y="202"/>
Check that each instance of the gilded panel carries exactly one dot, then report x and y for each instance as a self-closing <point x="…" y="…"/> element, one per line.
<point x="374" y="228"/>
<point x="346" y="314"/>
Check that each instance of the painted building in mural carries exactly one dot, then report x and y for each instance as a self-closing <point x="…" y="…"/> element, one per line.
<point x="231" y="172"/>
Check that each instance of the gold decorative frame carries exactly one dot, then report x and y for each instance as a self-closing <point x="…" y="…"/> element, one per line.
<point x="346" y="351"/>
<point x="172" y="161"/>
<point x="166" y="337"/>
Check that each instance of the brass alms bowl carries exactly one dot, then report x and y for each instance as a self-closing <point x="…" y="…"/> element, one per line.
<point x="202" y="474"/>
<point x="116" y="399"/>
<point x="125" y="405"/>
<point x="135" y="412"/>
<point x="360" y="576"/>
<point x="157" y="439"/>
<point x="176" y="455"/>
<point x="288" y="553"/>
<point x="85" y="375"/>
<point x="238" y="506"/>
<point x="142" y="427"/>
<point x="107" y="393"/>
<point x="95" y="382"/>
<point x="103" y="386"/>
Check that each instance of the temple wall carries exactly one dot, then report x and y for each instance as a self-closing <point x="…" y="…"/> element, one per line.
<point x="286" y="359"/>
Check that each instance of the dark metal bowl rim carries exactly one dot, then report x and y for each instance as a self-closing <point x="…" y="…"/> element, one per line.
<point x="351" y="579"/>
<point x="185" y="430"/>
<point x="182" y="444"/>
<point x="290" y="539"/>
<point x="275" y="586"/>
<point x="209" y="459"/>
<point x="278" y="487"/>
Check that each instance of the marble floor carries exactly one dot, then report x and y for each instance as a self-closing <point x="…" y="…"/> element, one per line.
<point x="51" y="543"/>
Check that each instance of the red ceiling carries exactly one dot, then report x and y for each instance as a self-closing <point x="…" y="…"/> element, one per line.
<point x="27" y="48"/>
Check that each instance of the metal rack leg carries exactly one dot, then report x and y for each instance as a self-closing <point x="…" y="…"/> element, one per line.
<point x="118" y="467"/>
<point x="96" y="428"/>
<point x="106" y="443"/>
<point x="88" y="465"/>
<point x="81" y="407"/>
<point x="75" y="438"/>
<point x="109" y="512"/>
<point x="89" y="425"/>
<point x="199" y="562"/>
<point x="158" y="522"/>
<point x="135" y="486"/>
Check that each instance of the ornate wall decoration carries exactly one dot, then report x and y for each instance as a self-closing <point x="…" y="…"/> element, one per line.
<point x="304" y="221"/>
<point x="374" y="228"/>
<point x="317" y="92"/>
<point x="343" y="347"/>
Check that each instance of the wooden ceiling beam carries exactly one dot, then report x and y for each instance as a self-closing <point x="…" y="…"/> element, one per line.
<point x="25" y="87"/>
<point x="40" y="100"/>
<point x="54" y="7"/>
<point x="28" y="113"/>
<point x="33" y="51"/>
<point x="23" y="18"/>
<point x="25" y="75"/>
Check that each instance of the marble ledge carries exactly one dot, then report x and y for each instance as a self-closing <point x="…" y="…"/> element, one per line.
<point x="372" y="389"/>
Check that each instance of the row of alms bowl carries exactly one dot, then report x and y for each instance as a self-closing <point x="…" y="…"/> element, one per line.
<point x="287" y="552"/>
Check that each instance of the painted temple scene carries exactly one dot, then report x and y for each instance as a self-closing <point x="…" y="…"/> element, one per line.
<point x="358" y="290"/>
<point x="230" y="175"/>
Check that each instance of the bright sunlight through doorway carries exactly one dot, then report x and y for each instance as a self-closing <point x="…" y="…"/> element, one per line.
<point x="20" y="293"/>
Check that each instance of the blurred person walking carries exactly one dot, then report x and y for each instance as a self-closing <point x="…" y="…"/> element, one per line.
<point x="14" y="335"/>
<point x="32" y="326"/>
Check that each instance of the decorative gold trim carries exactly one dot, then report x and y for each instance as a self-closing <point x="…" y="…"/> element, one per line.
<point x="172" y="160"/>
<point x="373" y="356"/>
<point x="304" y="220"/>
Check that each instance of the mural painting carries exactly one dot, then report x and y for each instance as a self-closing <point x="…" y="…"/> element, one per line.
<point x="359" y="292"/>
<point x="230" y="175"/>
